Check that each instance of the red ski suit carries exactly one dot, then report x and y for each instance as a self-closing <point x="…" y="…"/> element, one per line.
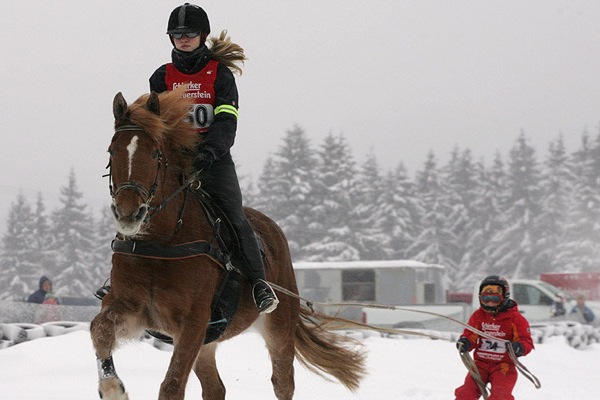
<point x="491" y="356"/>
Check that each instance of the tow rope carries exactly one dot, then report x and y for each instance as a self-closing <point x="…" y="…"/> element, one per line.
<point x="343" y="323"/>
<point x="474" y="372"/>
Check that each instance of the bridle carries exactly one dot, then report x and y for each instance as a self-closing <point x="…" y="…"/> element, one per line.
<point x="145" y="194"/>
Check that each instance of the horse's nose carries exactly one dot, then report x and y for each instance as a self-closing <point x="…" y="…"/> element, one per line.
<point x="141" y="213"/>
<point x="136" y="216"/>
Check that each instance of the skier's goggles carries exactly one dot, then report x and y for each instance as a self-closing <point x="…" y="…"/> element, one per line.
<point x="189" y="35"/>
<point x="491" y="298"/>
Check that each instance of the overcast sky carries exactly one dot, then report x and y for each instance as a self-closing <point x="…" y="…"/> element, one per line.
<point x="399" y="78"/>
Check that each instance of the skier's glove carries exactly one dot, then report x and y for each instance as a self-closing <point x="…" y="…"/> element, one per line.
<point x="517" y="348"/>
<point x="463" y="345"/>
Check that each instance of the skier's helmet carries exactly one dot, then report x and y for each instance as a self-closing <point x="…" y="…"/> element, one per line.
<point x="188" y="18"/>
<point x="494" y="293"/>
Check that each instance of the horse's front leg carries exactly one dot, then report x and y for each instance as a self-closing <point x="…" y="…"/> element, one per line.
<point x="110" y="386"/>
<point x="187" y="347"/>
<point x="102" y="329"/>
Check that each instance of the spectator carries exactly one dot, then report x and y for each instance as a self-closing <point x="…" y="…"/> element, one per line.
<point x="44" y="293"/>
<point x="581" y="312"/>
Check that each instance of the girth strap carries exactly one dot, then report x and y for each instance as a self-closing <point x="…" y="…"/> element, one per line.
<point x="176" y="252"/>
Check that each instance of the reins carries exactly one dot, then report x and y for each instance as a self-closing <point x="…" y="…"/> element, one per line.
<point x="310" y="304"/>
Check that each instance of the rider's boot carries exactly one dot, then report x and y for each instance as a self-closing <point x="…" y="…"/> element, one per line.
<point x="264" y="297"/>
<point x="103" y="291"/>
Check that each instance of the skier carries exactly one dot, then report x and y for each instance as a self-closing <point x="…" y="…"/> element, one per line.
<point x="498" y="316"/>
<point x="215" y="112"/>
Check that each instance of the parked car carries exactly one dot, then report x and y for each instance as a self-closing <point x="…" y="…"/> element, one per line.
<point x="540" y="301"/>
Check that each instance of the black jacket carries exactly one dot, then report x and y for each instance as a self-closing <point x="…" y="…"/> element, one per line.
<point x="39" y="295"/>
<point x="221" y="135"/>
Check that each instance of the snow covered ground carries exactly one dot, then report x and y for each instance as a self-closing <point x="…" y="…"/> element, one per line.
<point x="64" y="367"/>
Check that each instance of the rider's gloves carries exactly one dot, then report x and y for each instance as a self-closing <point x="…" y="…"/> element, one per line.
<point x="204" y="159"/>
<point x="463" y="345"/>
<point x="518" y="348"/>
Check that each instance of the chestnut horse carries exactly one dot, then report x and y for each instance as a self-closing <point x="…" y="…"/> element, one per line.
<point x="154" y="205"/>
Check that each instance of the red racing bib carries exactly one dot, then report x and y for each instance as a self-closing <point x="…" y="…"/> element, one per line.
<point x="201" y="89"/>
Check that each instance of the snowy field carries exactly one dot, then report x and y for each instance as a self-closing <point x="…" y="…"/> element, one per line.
<point x="64" y="367"/>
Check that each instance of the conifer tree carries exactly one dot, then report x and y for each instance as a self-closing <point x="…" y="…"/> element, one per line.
<point x="579" y="250"/>
<point x="436" y="243"/>
<point x="461" y="186"/>
<point x="288" y="189"/>
<point x="19" y="273"/>
<point x="366" y="233"/>
<point x="514" y="246"/>
<point x="557" y="188"/>
<point x="73" y="230"/>
<point x="333" y="189"/>
<point x="487" y="209"/>
<point x="399" y="212"/>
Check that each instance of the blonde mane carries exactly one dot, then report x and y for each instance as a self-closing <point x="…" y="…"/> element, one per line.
<point x="172" y="125"/>
<point x="226" y="52"/>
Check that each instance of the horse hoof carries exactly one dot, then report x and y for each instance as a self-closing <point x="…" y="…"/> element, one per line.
<point x="112" y="389"/>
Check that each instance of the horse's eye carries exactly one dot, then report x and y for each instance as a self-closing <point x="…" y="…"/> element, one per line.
<point x="156" y="154"/>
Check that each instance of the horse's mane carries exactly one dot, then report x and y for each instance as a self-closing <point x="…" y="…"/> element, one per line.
<point x="171" y="124"/>
<point x="226" y="52"/>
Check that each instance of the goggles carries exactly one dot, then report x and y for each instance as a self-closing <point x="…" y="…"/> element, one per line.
<point x="491" y="298"/>
<point x="189" y="35"/>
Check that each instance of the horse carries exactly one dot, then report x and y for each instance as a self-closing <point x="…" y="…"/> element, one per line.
<point x="155" y="207"/>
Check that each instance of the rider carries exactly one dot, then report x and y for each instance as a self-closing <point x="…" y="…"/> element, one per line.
<point x="498" y="316"/>
<point x="214" y="114"/>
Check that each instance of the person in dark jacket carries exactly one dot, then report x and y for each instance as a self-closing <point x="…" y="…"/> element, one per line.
<point x="44" y="291"/>
<point x="214" y="114"/>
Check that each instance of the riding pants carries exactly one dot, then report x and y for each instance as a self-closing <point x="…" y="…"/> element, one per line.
<point x="221" y="183"/>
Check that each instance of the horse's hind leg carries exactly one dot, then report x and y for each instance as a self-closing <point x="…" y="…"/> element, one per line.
<point x="206" y="370"/>
<point x="102" y="329"/>
<point x="280" y="343"/>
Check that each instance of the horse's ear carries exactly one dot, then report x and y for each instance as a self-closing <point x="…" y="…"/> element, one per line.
<point x="119" y="106"/>
<point x="153" y="103"/>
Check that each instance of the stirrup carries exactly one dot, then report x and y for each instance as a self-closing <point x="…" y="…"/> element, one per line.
<point x="264" y="297"/>
<point x="103" y="291"/>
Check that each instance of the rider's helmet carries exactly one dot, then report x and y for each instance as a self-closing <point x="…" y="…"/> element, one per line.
<point x="494" y="293"/>
<point x="188" y="18"/>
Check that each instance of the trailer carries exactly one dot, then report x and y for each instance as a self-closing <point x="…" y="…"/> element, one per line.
<point x="406" y="283"/>
<point x="387" y="282"/>
<point x="585" y="283"/>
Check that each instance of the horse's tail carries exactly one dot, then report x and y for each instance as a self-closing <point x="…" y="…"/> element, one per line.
<point x="320" y="350"/>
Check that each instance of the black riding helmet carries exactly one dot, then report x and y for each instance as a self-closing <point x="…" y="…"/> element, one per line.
<point x="188" y="18"/>
<point x="496" y="280"/>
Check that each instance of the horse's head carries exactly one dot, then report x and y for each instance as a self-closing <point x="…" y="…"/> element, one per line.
<point x="149" y="135"/>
